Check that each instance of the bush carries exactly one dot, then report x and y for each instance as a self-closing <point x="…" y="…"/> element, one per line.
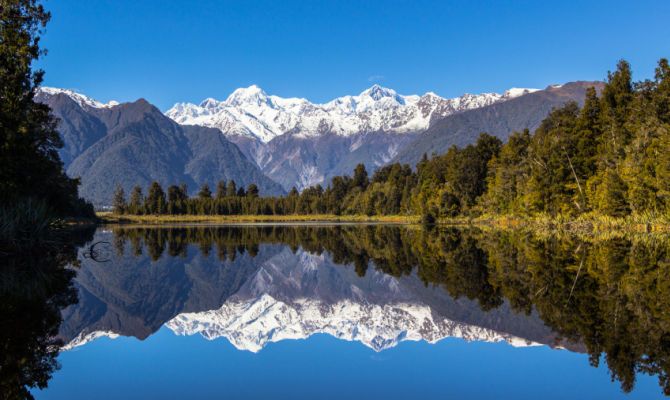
<point x="23" y="224"/>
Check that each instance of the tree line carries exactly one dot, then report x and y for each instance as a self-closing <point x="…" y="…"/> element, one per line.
<point x="610" y="156"/>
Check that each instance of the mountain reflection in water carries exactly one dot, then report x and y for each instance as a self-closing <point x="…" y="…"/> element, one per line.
<point x="375" y="284"/>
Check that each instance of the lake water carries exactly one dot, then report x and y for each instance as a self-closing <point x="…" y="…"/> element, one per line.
<point x="357" y="311"/>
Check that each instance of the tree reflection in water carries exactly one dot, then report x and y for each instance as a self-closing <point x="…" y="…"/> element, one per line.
<point x="34" y="288"/>
<point x="611" y="295"/>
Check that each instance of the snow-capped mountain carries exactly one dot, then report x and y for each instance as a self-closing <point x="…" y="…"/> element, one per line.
<point x="299" y="144"/>
<point x="82" y="100"/>
<point x="109" y="144"/>
<point x="253" y="113"/>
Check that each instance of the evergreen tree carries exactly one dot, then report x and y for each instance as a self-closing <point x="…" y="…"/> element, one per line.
<point x="204" y="192"/>
<point x="616" y="99"/>
<point x="507" y="175"/>
<point x="174" y="200"/>
<point x="29" y="163"/>
<point x="221" y="190"/>
<point x="119" y="201"/>
<point x="135" y="206"/>
<point x="252" y="190"/>
<point x="231" y="191"/>
<point x="360" y="178"/>
<point x="155" y="202"/>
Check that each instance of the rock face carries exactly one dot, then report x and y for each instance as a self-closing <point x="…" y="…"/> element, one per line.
<point x="277" y="294"/>
<point x="134" y="144"/>
<point x="298" y="143"/>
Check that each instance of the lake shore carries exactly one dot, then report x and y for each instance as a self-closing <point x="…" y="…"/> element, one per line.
<point x="111" y="218"/>
<point x="584" y="224"/>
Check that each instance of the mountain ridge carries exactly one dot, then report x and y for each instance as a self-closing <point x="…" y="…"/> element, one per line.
<point x="253" y="113"/>
<point x="134" y="144"/>
<point x="296" y="143"/>
<point x="500" y="120"/>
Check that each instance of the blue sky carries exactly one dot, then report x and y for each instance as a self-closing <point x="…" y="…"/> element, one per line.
<point x="168" y="51"/>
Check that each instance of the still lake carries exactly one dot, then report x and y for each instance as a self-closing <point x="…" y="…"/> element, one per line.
<point x="363" y="311"/>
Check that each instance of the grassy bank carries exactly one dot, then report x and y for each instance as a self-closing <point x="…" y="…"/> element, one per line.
<point x="224" y="219"/>
<point x="30" y="226"/>
<point x="584" y="224"/>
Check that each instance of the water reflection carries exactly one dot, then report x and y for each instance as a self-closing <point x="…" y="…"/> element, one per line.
<point x="34" y="287"/>
<point x="380" y="285"/>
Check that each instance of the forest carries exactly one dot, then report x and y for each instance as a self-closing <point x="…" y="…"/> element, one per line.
<point x="610" y="157"/>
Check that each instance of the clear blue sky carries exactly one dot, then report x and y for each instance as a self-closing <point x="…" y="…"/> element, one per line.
<point x="168" y="51"/>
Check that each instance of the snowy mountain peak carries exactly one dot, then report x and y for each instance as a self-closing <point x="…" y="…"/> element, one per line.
<point x="82" y="100"/>
<point x="208" y="103"/>
<point x="252" y="113"/>
<point x="377" y="92"/>
<point x="252" y="95"/>
<point x="431" y="95"/>
<point x="516" y="92"/>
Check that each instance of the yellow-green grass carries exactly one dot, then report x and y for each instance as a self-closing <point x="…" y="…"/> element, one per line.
<point x="586" y="224"/>
<point x="108" y="217"/>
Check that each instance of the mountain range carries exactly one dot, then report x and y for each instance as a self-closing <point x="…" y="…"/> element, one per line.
<point x="278" y="143"/>
<point x="134" y="144"/>
<point x="287" y="137"/>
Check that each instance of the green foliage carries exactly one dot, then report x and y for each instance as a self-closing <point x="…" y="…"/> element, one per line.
<point x="453" y="182"/>
<point x="155" y="202"/>
<point x="221" y="189"/>
<point x="609" y="195"/>
<point x="232" y="189"/>
<point x="29" y="163"/>
<point x="252" y="190"/>
<point x="23" y="225"/>
<point x="204" y="192"/>
<point x="119" y="202"/>
<point x="609" y="298"/>
<point x="610" y="156"/>
<point x="508" y="176"/>
<point x="36" y="284"/>
<point x="136" y="204"/>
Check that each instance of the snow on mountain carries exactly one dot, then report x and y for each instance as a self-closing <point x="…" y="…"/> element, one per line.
<point x="82" y="100"/>
<point x="253" y="113"/>
<point x="516" y="92"/>
<point x="251" y="325"/>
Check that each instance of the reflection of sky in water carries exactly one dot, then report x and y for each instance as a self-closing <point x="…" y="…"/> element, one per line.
<point x="169" y="366"/>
